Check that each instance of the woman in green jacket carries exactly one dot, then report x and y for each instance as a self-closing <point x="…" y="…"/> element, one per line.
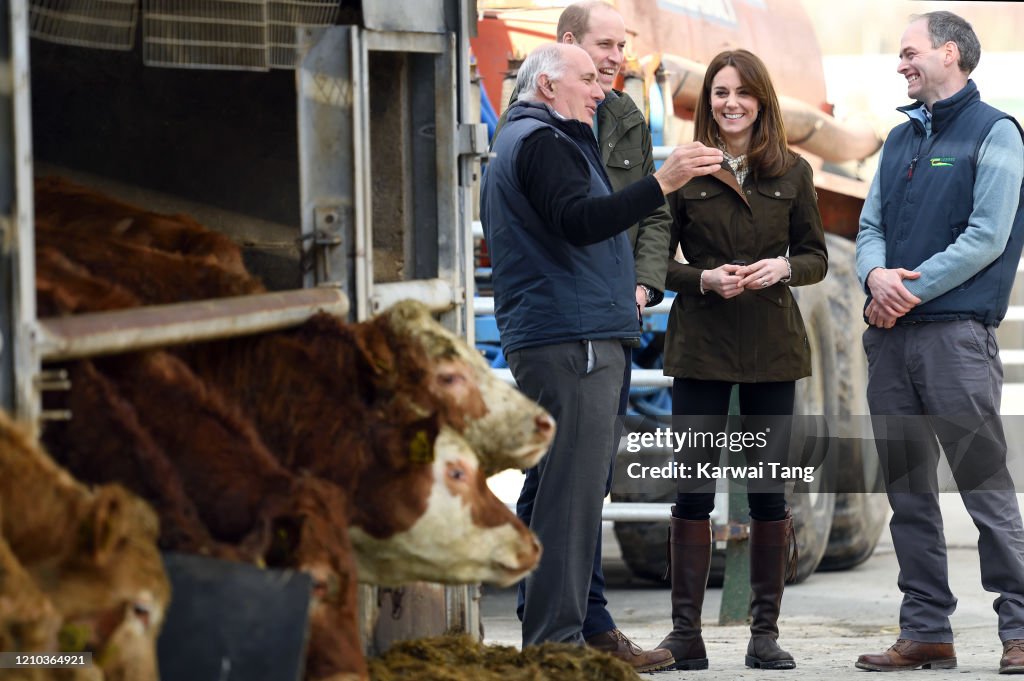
<point x="748" y="233"/>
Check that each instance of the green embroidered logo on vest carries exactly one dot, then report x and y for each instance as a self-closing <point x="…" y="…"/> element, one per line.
<point x="942" y="161"/>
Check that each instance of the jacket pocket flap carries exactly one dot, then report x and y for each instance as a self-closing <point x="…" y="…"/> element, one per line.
<point x="700" y="191"/>
<point x="779" y="294"/>
<point x="626" y="159"/>
<point x="778" y="190"/>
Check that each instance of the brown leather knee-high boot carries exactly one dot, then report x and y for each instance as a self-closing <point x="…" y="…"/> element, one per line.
<point x="769" y="558"/>
<point x="689" y="565"/>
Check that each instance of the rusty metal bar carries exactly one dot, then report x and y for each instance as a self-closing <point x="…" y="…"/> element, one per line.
<point x="107" y="333"/>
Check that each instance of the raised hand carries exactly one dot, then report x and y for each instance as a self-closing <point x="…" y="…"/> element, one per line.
<point x="686" y="162"/>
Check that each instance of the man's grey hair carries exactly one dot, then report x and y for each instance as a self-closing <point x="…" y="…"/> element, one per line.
<point x="944" y="27"/>
<point x="547" y="59"/>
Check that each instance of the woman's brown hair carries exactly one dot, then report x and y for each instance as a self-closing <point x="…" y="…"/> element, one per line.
<point x="768" y="155"/>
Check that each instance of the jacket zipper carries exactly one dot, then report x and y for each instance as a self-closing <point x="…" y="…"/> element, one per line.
<point x="910" y="178"/>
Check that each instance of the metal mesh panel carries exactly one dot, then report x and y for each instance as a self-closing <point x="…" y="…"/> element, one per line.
<point x="221" y="34"/>
<point x="105" y="24"/>
<point x="285" y="16"/>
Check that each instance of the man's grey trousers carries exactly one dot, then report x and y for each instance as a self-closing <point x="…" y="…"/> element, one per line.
<point x="941" y="382"/>
<point x="578" y="383"/>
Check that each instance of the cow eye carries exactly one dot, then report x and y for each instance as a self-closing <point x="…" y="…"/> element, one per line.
<point x="142" y="612"/>
<point x="457" y="473"/>
<point x="449" y="378"/>
<point x="321" y="589"/>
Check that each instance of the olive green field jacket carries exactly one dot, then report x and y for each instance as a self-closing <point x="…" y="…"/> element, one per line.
<point x="759" y="335"/>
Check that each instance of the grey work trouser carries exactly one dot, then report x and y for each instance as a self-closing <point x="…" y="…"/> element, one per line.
<point x="943" y="381"/>
<point x="566" y="513"/>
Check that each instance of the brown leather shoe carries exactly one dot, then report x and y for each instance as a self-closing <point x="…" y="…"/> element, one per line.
<point x="906" y="654"/>
<point x="1012" y="661"/>
<point x="616" y="643"/>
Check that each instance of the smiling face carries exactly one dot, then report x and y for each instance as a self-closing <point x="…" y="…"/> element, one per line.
<point x="930" y="71"/>
<point x="605" y="42"/>
<point x="734" y="109"/>
<point x="577" y="93"/>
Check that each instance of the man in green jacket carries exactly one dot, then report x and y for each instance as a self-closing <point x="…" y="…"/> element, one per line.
<point x="626" y="149"/>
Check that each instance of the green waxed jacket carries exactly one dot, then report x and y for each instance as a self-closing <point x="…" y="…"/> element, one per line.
<point x="759" y="335"/>
<point x="625" y="142"/>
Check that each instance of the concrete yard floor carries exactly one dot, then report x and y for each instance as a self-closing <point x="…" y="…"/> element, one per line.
<point x="827" y="621"/>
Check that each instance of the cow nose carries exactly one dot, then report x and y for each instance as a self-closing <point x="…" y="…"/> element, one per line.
<point x="544" y="424"/>
<point x="529" y="555"/>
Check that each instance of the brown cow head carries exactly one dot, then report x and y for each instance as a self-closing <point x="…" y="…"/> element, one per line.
<point x="111" y="588"/>
<point x="438" y="521"/>
<point x="500" y="423"/>
<point x="93" y="554"/>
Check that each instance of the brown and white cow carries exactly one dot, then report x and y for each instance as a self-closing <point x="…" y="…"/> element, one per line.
<point x="92" y="553"/>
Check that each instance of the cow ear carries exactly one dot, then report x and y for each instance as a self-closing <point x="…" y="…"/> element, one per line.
<point x="373" y="347"/>
<point x="407" y="313"/>
<point x="412" y="319"/>
<point x="104" y="530"/>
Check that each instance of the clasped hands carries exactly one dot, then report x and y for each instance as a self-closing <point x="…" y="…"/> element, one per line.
<point x="729" y="281"/>
<point x="890" y="299"/>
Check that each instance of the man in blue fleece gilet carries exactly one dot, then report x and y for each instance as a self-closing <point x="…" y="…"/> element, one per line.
<point x="940" y="238"/>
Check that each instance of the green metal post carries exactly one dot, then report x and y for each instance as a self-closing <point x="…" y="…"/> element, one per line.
<point x="736" y="585"/>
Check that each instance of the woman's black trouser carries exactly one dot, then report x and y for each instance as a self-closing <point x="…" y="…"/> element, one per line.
<point x="700" y="413"/>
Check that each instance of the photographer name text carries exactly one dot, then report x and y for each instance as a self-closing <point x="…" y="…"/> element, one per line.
<point x="705" y="471"/>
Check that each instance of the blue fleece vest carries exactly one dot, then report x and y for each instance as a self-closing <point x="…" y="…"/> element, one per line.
<point x="927" y="186"/>
<point x="546" y="290"/>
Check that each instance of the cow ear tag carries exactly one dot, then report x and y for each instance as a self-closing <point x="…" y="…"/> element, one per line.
<point x="73" y="638"/>
<point x="420" y="450"/>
